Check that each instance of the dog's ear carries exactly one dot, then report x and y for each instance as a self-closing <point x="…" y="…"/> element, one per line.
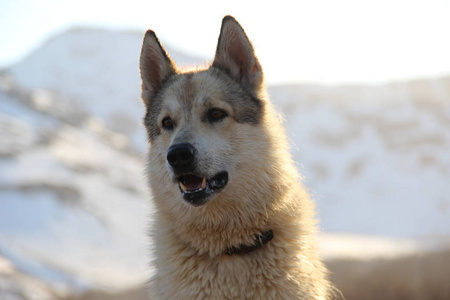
<point x="235" y="54"/>
<point x="155" y="66"/>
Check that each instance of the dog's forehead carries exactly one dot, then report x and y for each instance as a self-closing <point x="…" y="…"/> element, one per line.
<point x="195" y="88"/>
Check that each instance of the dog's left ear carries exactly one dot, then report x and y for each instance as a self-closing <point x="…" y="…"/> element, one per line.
<point x="235" y="54"/>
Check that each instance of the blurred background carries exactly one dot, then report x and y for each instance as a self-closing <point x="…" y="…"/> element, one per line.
<point x="363" y="87"/>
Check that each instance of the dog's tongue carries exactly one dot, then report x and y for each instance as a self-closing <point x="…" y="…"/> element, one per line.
<point x="192" y="182"/>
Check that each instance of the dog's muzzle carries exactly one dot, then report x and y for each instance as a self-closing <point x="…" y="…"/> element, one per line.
<point x="195" y="188"/>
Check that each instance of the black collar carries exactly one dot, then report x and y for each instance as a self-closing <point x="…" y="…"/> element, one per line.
<point x="260" y="240"/>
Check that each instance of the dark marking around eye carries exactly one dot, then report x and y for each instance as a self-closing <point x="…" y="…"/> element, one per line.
<point x="216" y="114"/>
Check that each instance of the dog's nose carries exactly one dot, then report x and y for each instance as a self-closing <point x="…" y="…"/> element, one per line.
<point x="181" y="155"/>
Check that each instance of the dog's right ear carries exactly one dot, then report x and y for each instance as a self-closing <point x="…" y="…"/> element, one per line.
<point x="155" y="66"/>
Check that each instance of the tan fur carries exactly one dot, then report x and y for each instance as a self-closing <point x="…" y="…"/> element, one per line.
<point x="264" y="192"/>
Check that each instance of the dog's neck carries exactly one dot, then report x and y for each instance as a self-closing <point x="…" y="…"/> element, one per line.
<point x="260" y="240"/>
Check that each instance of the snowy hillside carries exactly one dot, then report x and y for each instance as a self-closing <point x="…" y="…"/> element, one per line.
<point x="377" y="158"/>
<point x="74" y="203"/>
<point x="99" y="71"/>
<point x="70" y="215"/>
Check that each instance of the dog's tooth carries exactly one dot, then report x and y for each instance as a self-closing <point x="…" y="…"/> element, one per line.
<point x="204" y="183"/>
<point x="183" y="187"/>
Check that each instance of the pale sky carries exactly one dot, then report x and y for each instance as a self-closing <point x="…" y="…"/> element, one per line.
<point x="296" y="41"/>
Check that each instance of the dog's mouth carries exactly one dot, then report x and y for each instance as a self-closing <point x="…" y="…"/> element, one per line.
<point x="196" y="190"/>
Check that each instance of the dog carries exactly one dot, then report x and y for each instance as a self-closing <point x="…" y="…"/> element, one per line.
<point x="232" y="218"/>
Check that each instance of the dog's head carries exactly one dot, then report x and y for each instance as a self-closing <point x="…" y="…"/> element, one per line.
<point x="201" y="122"/>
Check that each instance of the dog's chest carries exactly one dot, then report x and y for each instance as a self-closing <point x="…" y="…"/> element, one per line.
<point x="248" y="276"/>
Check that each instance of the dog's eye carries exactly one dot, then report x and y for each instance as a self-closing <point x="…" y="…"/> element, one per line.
<point x="167" y="123"/>
<point x="216" y="114"/>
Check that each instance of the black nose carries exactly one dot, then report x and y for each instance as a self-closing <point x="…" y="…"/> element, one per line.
<point x="181" y="155"/>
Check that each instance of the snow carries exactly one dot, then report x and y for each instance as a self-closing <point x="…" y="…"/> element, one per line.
<point x="70" y="216"/>
<point x="74" y="203"/>
<point x="15" y="285"/>
<point x="99" y="71"/>
<point x="369" y="247"/>
<point x="375" y="154"/>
